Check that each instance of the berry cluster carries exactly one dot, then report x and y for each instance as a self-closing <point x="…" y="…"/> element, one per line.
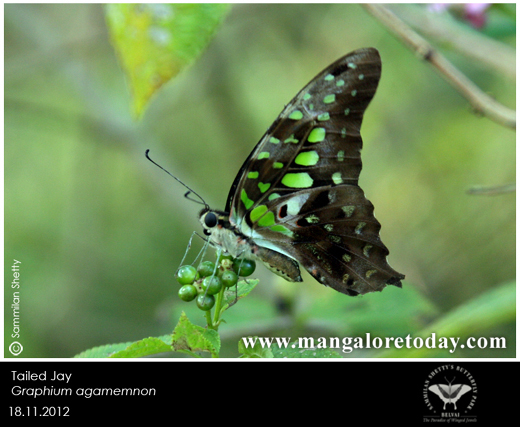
<point x="209" y="279"/>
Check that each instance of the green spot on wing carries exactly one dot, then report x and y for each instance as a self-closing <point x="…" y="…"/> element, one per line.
<point x="257" y="212"/>
<point x="246" y="200"/>
<point x="366" y="250"/>
<point x="292" y="139"/>
<point x="349" y="210"/>
<point x="308" y="158"/>
<point x="329" y="99"/>
<point x="296" y="115"/>
<point x="369" y="273"/>
<point x="267" y="220"/>
<point x="263" y="155"/>
<point x="263" y="187"/>
<point x="297" y="180"/>
<point x="360" y="227"/>
<point x="277" y="165"/>
<point x="274" y="140"/>
<point x="312" y="219"/>
<point x="273" y="196"/>
<point x="282" y="229"/>
<point x="329" y="77"/>
<point x="316" y="135"/>
<point x="323" y="117"/>
<point x="252" y="175"/>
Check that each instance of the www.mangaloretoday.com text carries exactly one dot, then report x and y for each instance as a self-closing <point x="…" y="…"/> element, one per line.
<point x="349" y="344"/>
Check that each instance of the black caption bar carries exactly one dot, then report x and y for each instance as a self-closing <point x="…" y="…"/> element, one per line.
<point x="442" y="391"/>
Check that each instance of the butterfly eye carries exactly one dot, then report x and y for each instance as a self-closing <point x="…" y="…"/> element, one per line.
<point x="210" y="220"/>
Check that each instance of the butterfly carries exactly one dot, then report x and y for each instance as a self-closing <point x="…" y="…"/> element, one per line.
<point x="296" y="199"/>
<point x="449" y="393"/>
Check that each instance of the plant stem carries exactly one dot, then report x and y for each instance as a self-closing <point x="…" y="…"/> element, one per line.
<point x="493" y="191"/>
<point x="208" y="319"/>
<point x="218" y="307"/>
<point x="480" y="101"/>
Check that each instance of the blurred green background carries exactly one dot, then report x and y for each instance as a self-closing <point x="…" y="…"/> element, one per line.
<point x="100" y="231"/>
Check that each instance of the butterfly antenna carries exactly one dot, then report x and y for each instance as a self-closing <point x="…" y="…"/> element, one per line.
<point x="202" y="202"/>
<point x="195" y="200"/>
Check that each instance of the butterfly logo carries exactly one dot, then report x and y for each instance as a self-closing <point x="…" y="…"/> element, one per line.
<point x="449" y="393"/>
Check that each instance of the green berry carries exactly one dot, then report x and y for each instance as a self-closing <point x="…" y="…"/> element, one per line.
<point x="223" y="257"/>
<point x="206" y="268"/>
<point x="188" y="293"/>
<point x="205" y="303"/>
<point x="212" y="285"/>
<point x="244" y="267"/>
<point x="186" y="274"/>
<point x="229" y="278"/>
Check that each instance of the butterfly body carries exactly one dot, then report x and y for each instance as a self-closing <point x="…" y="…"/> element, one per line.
<point x="296" y="199"/>
<point x="233" y="242"/>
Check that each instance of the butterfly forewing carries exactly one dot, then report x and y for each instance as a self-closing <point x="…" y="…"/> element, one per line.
<point x="298" y="194"/>
<point x="320" y="127"/>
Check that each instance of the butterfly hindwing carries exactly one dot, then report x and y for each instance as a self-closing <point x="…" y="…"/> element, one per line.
<point x="334" y="235"/>
<point x="297" y="194"/>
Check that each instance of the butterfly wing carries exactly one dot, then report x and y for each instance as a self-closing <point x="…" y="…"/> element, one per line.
<point x="458" y="391"/>
<point x="441" y="390"/>
<point x="297" y="193"/>
<point x="450" y="393"/>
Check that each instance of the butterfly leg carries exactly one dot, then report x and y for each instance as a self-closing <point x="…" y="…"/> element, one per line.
<point x="202" y="251"/>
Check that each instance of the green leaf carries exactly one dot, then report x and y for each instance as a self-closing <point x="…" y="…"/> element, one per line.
<point x="102" y="351"/>
<point x="189" y="338"/>
<point x="154" y="42"/>
<point x="145" y="347"/>
<point x="488" y="310"/>
<point x="233" y="294"/>
<point x="407" y="308"/>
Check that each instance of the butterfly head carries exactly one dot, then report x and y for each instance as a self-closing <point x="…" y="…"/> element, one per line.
<point x="222" y="235"/>
<point x="212" y="220"/>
